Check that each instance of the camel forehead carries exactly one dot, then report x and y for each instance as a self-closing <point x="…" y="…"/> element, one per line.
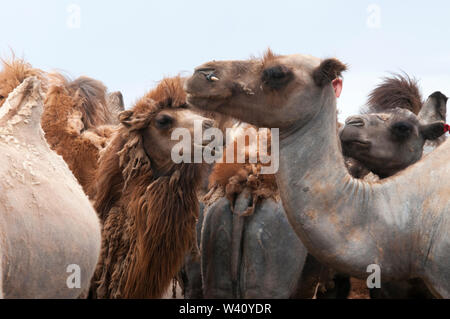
<point x="293" y="60"/>
<point x="300" y="60"/>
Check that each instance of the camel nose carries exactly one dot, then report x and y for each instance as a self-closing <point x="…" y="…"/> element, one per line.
<point x="208" y="73"/>
<point x="355" y="121"/>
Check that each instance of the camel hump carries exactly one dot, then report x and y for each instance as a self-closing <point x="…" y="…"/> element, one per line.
<point x="20" y="115"/>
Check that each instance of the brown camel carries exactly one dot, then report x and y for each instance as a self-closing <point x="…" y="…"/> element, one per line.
<point x="49" y="232"/>
<point x="401" y="224"/>
<point x="74" y="110"/>
<point x="148" y="204"/>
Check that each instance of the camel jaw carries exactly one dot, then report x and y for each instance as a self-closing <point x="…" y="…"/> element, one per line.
<point x="205" y="102"/>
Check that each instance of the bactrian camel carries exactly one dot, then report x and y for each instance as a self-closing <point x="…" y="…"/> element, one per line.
<point x="389" y="141"/>
<point x="243" y="228"/>
<point x="49" y="232"/>
<point x="147" y="204"/>
<point x="78" y="117"/>
<point x="401" y="224"/>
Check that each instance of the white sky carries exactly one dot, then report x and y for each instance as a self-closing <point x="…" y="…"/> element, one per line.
<point x="130" y="45"/>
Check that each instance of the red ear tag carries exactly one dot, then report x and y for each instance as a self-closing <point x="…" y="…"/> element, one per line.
<point x="446" y="128"/>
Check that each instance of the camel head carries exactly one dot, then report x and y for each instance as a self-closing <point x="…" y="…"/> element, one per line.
<point x="275" y="91"/>
<point x="14" y="72"/>
<point x="386" y="143"/>
<point x="156" y="116"/>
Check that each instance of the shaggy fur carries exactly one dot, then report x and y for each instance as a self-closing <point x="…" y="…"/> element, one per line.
<point x="14" y="72"/>
<point x="235" y="177"/>
<point x="398" y="91"/>
<point x="72" y="112"/>
<point x="148" y="219"/>
<point x="89" y="97"/>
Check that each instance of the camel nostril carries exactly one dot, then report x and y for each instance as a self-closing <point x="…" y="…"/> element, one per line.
<point x="209" y="74"/>
<point x="212" y="78"/>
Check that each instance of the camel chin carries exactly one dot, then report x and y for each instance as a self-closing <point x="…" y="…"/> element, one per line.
<point x="49" y="232"/>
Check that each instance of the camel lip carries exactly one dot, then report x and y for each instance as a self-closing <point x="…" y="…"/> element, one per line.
<point x="357" y="143"/>
<point x="208" y="102"/>
<point x="355" y="122"/>
<point x="198" y="96"/>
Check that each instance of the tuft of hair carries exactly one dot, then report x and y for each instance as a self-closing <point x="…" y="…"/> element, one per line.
<point x="14" y="72"/>
<point x="398" y="91"/>
<point x="327" y="71"/>
<point x="268" y="57"/>
<point x="169" y="93"/>
<point x="89" y="97"/>
<point x="235" y="177"/>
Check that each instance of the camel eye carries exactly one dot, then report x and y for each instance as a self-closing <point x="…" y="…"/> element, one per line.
<point x="1" y="97"/>
<point x="277" y="76"/>
<point x="401" y="130"/>
<point x="163" y="121"/>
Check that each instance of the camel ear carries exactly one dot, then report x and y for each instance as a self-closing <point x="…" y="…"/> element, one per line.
<point x="327" y="71"/>
<point x="133" y="121"/>
<point x="433" y="130"/>
<point x="115" y="101"/>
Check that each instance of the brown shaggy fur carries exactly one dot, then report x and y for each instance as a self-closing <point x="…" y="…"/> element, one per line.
<point x="148" y="219"/>
<point x="235" y="177"/>
<point x="398" y="91"/>
<point x="71" y="113"/>
<point x="14" y="72"/>
<point x="89" y="97"/>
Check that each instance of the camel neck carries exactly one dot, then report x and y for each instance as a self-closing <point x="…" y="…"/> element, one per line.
<point x="313" y="147"/>
<point x="322" y="201"/>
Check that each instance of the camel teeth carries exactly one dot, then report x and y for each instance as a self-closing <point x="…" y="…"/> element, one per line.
<point x="214" y="78"/>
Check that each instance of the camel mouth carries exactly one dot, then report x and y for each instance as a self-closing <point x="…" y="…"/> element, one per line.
<point x="357" y="144"/>
<point x="198" y="96"/>
<point x="207" y="102"/>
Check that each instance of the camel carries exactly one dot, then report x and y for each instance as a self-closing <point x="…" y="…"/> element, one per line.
<point x="148" y="204"/>
<point x="50" y="233"/>
<point x="78" y="115"/>
<point x="400" y="138"/>
<point x="388" y="142"/>
<point x="232" y="183"/>
<point x="400" y="224"/>
<point x="242" y="229"/>
<point x="78" y="123"/>
<point x="235" y="183"/>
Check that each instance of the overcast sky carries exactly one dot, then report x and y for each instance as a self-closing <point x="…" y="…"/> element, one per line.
<point x="130" y="45"/>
